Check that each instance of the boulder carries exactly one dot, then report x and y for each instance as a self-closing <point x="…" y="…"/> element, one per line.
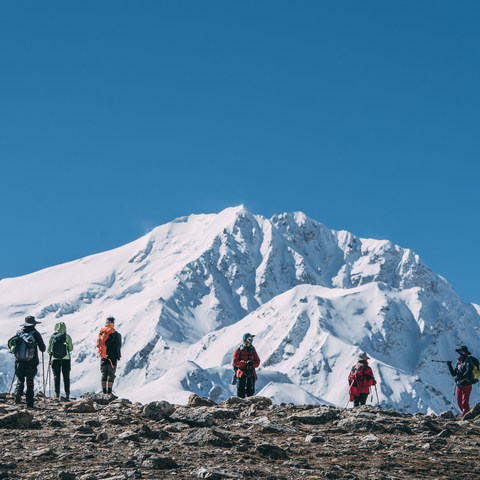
<point x="195" y="418"/>
<point x="271" y="451"/>
<point x="82" y="406"/>
<point x="158" y="410"/>
<point x="196" y="401"/>
<point x="19" y="419"/>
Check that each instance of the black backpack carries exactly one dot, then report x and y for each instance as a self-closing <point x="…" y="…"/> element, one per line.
<point x="59" y="345"/>
<point x="111" y="344"/>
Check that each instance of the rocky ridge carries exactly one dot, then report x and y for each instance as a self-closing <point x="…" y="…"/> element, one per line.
<point x="104" y="437"/>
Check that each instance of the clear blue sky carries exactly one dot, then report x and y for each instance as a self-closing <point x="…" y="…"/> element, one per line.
<point x="118" y="116"/>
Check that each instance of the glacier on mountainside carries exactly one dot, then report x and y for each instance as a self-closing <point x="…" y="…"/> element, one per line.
<point x="184" y="294"/>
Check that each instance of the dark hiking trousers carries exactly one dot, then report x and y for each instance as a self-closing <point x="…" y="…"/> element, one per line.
<point x="246" y="386"/>
<point x="61" y="367"/>
<point x="361" y="399"/>
<point x="25" y="371"/>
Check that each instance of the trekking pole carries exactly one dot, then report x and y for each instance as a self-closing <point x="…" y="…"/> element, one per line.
<point x="50" y="377"/>
<point x="453" y="398"/>
<point x="11" y="385"/>
<point x="47" y="382"/>
<point x="440" y="361"/>
<point x="43" y="378"/>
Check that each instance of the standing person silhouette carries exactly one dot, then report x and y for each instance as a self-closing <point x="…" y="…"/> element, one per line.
<point x="109" y="345"/>
<point x="360" y="380"/>
<point x="463" y="373"/>
<point x="246" y="360"/>
<point x="59" y="347"/>
<point x="28" y="342"/>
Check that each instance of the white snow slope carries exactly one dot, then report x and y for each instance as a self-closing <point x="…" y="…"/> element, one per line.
<point x="184" y="294"/>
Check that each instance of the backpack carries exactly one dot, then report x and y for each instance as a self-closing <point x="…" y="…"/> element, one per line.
<point x="23" y="346"/>
<point x="104" y="336"/>
<point x="476" y="369"/>
<point x="59" y="345"/>
<point x="357" y="374"/>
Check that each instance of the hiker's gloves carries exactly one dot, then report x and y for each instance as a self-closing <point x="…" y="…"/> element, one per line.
<point x="249" y="363"/>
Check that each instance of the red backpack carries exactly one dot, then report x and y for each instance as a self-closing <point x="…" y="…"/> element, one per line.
<point x="358" y="375"/>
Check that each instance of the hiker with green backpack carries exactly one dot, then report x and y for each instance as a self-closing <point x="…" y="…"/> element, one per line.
<point x="59" y="347"/>
<point x="25" y="345"/>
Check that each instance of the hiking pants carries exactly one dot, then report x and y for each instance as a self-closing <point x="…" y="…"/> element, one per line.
<point x="361" y="399"/>
<point x="463" y="397"/>
<point x="107" y="370"/>
<point x="29" y="394"/>
<point x="246" y="386"/>
<point x="25" y="371"/>
<point x="61" y="367"/>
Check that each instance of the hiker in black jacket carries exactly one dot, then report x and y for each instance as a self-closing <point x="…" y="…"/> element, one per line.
<point x="463" y="373"/>
<point x="26" y="367"/>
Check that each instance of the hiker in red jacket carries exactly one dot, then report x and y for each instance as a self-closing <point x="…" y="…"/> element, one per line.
<point x="245" y="361"/>
<point x="463" y="373"/>
<point x="360" y="380"/>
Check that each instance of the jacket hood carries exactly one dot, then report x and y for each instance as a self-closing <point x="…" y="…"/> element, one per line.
<point x="60" y="327"/>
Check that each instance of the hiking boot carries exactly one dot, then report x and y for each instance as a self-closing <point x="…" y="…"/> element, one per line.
<point x="18" y="398"/>
<point x="57" y="396"/>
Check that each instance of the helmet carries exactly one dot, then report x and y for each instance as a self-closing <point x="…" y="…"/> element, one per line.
<point x="248" y="336"/>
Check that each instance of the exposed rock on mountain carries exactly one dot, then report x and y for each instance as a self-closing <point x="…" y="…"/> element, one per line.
<point x="184" y="294"/>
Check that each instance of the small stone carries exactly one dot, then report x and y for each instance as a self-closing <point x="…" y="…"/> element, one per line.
<point x="44" y="452"/>
<point x="82" y="406"/>
<point x="66" y="476"/>
<point x="128" y="435"/>
<point x="271" y="451"/>
<point x="315" y="439"/>
<point x="160" y="463"/>
<point x="197" y="401"/>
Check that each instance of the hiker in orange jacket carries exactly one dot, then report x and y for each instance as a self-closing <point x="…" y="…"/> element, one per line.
<point x="360" y="380"/>
<point x="109" y="346"/>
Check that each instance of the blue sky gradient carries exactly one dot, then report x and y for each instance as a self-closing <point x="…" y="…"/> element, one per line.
<point x="119" y="116"/>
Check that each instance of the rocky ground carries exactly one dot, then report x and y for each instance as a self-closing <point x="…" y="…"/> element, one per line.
<point x="103" y="437"/>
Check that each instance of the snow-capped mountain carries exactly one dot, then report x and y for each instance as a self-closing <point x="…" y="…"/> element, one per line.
<point x="184" y="294"/>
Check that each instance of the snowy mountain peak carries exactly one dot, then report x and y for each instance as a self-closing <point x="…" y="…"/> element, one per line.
<point x="316" y="297"/>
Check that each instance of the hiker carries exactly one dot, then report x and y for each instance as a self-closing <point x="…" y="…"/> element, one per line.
<point x="109" y="348"/>
<point x="25" y="345"/>
<point x="59" y="347"/>
<point x="464" y="380"/>
<point x="360" y="380"/>
<point x="245" y="361"/>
